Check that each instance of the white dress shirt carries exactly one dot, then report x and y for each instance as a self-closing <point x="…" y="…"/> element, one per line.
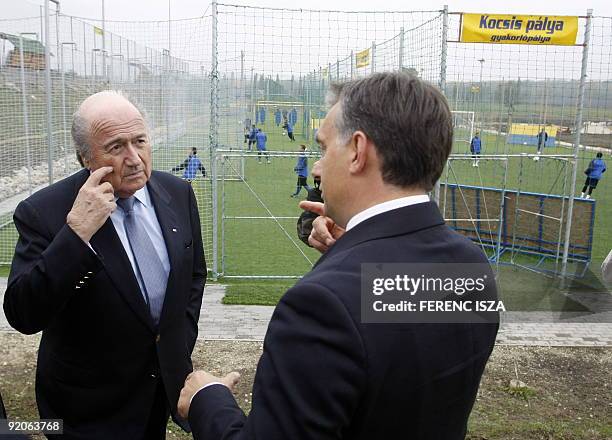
<point x="145" y="212"/>
<point x="384" y="207"/>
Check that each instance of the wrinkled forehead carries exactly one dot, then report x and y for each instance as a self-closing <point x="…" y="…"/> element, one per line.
<point x="109" y="107"/>
<point x="117" y="116"/>
<point x="109" y="123"/>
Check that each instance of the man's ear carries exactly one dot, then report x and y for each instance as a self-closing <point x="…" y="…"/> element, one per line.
<point x="360" y="146"/>
<point x="80" y="159"/>
<point x="84" y="162"/>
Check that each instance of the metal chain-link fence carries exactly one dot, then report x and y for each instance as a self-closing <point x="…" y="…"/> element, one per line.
<point x="205" y="82"/>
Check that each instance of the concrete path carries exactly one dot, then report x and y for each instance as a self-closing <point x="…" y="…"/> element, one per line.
<point x="218" y="321"/>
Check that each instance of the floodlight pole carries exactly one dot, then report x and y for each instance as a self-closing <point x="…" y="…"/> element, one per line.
<point x="577" y="128"/>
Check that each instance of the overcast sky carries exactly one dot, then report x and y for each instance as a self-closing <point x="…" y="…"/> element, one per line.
<point x="158" y="9"/>
<point x="262" y="35"/>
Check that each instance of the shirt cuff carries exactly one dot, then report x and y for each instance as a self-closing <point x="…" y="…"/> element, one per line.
<point x="205" y="386"/>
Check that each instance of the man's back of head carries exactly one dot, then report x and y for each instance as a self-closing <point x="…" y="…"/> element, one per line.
<point x="386" y="136"/>
<point x="408" y="120"/>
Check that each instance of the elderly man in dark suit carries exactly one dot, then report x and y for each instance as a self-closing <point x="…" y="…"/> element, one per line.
<point x="109" y="265"/>
<point x="324" y="372"/>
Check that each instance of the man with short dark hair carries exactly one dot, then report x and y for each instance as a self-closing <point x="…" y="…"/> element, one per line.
<point x="277" y="117"/>
<point x="542" y="138"/>
<point x="191" y="165"/>
<point x="290" y="131"/>
<point x="301" y="169"/>
<point x="324" y="373"/>
<point x="261" y="140"/>
<point x="109" y="265"/>
<point x="252" y="136"/>
<point x="304" y="223"/>
<point x="594" y="174"/>
<point x="475" y="148"/>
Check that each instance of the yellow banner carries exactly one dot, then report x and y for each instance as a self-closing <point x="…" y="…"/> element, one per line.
<point x="534" y="129"/>
<point x="98" y="31"/>
<point x="362" y="59"/>
<point x="519" y="29"/>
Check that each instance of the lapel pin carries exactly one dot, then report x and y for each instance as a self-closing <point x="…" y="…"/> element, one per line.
<point x="173" y="229"/>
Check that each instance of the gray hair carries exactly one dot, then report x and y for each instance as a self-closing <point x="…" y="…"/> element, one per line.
<point x="332" y="97"/>
<point x="81" y="126"/>
<point x="80" y="136"/>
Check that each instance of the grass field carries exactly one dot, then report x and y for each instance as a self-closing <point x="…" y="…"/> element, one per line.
<point x="264" y="247"/>
<point x="267" y="247"/>
<point x="272" y="183"/>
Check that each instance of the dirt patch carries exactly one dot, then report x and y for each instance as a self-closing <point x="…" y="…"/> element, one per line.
<point x="594" y="140"/>
<point x="566" y="394"/>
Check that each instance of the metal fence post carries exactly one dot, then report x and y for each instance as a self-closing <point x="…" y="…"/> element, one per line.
<point x="373" y="56"/>
<point x="48" y="87"/>
<point x="26" y="122"/>
<point x="84" y="50"/>
<point x="401" y="49"/>
<point x="442" y="77"/>
<point x="61" y="57"/>
<point x="444" y="49"/>
<point x="577" y="127"/>
<point x="213" y="137"/>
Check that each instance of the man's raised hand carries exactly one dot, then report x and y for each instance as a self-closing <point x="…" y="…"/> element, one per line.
<point x="325" y="231"/>
<point x="93" y="205"/>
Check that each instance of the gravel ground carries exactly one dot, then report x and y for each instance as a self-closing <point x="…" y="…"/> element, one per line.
<point x="563" y="393"/>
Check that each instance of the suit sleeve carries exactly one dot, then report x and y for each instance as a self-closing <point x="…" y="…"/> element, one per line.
<point x="46" y="271"/>
<point x="309" y="380"/>
<point x="198" y="278"/>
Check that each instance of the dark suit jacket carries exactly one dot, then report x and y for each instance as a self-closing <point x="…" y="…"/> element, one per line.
<point x="325" y="375"/>
<point x="2" y="409"/>
<point x="100" y="356"/>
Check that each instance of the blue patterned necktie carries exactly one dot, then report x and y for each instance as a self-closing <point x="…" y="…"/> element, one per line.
<point x="148" y="263"/>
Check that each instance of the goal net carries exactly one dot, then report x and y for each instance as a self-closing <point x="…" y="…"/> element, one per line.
<point x="463" y="125"/>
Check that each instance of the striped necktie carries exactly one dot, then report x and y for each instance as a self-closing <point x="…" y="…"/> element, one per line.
<point x="148" y="264"/>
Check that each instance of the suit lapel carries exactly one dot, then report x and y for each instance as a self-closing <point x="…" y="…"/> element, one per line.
<point x="117" y="266"/>
<point x="108" y="246"/>
<point x="168" y="222"/>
